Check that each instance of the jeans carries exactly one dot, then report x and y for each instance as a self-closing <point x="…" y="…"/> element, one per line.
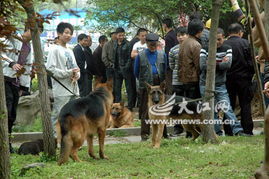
<point x="222" y="95"/>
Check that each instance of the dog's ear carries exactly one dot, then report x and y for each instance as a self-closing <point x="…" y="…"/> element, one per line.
<point x="163" y="86"/>
<point x="122" y="103"/>
<point x="148" y="86"/>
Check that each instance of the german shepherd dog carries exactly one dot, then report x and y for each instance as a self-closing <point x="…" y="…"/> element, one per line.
<point x="33" y="147"/>
<point x="80" y="119"/>
<point x="122" y="117"/>
<point x="156" y="96"/>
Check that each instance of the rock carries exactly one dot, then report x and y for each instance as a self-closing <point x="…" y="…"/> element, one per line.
<point x="28" y="167"/>
<point x="28" y="109"/>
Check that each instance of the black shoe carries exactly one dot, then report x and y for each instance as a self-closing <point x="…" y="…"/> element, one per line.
<point x="178" y="129"/>
<point x="188" y="135"/>
<point x="167" y="137"/>
<point x="219" y="133"/>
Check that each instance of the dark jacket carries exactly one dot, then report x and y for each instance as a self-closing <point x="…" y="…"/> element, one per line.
<point x="90" y="61"/>
<point x="107" y="54"/>
<point x="80" y="58"/>
<point x="100" y="66"/>
<point x="242" y="65"/>
<point x="189" y="56"/>
<point x="205" y="38"/>
<point x="170" y="41"/>
<point x="122" y="56"/>
<point x="133" y="41"/>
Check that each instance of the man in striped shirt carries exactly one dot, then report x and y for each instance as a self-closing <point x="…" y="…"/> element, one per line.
<point x="223" y="63"/>
<point x="173" y="64"/>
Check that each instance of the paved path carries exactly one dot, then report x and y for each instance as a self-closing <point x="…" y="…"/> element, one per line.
<point x="132" y="139"/>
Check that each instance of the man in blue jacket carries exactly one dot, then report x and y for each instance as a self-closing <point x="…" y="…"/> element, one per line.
<point x="150" y="67"/>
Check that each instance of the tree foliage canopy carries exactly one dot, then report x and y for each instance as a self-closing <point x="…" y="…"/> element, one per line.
<point x="145" y="13"/>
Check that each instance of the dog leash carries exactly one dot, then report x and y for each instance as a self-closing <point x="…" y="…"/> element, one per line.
<point x="201" y="99"/>
<point x="51" y="75"/>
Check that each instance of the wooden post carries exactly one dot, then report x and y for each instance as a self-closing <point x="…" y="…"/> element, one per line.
<point x="260" y="27"/>
<point x="266" y="119"/>
<point x="256" y="68"/>
<point x="263" y="172"/>
<point x="49" y="141"/>
<point x="4" y="142"/>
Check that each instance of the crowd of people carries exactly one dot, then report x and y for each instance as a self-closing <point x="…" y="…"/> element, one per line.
<point x="182" y="64"/>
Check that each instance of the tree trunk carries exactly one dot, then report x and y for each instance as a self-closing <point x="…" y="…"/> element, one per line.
<point x="256" y="67"/>
<point x="266" y="119"/>
<point x="208" y="133"/>
<point x="263" y="172"/>
<point x="4" y="143"/>
<point x="49" y="142"/>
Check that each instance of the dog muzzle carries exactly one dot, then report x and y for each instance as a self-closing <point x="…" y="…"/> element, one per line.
<point x="115" y="114"/>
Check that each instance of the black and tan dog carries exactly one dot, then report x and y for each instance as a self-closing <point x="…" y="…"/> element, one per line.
<point x="122" y="117"/>
<point x="156" y="97"/>
<point x="33" y="147"/>
<point x="80" y="119"/>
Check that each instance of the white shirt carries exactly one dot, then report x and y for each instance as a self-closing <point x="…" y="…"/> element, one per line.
<point x="12" y="56"/>
<point x="139" y="47"/>
<point x="61" y="61"/>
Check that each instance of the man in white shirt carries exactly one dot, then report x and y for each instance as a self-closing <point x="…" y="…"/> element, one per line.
<point x="140" y="45"/>
<point x="62" y="64"/>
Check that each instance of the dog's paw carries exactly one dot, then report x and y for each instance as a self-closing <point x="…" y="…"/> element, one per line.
<point x="104" y="157"/>
<point x="93" y="156"/>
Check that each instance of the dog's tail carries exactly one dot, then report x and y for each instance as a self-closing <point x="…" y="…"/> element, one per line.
<point x="65" y="138"/>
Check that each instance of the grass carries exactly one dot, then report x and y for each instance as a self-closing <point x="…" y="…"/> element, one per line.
<point x="137" y="123"/>
<point x="117" y="133"/>
<point x="35" y="127"/>
<point x="233" y="158"/>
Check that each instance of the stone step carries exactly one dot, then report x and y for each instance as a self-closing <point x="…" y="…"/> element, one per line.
<point x="133" y="131"/>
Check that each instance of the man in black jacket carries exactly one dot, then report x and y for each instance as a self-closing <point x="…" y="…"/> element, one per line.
<point x="239" y="77"/>
<point x="80" y="50"/>
<point x="97" y="56"/>
<point x="170" y="42"/>
<point x="122" y="66"/>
